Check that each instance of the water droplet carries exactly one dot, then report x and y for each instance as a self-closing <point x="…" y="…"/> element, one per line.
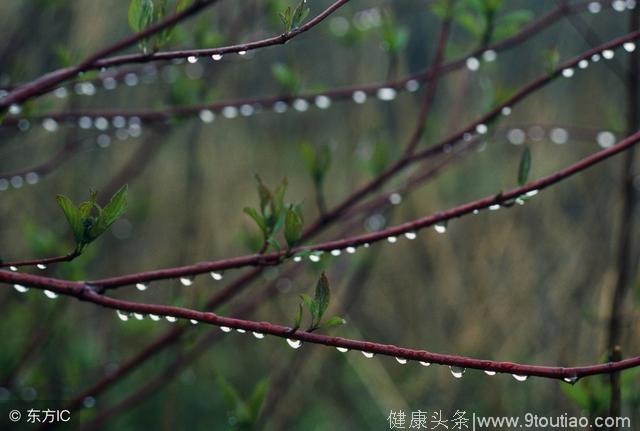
<point x="216" y="57"/>
<point x="489" y="55"/>
<point x="280" y="107"/>
<point x="207" y="116"/>
<point x="532" y="193"/>
<point x="50" y="125"/>
<point x="392" y="239"/>
<point x="314" y="258"/>
<point x="457" y="372"/>
<point x="494" y="207"/>
<point x="629" y="46"/>
<point x="472" y="63"/>
<point x="336" y="252"/>
<point x="401" y="361"/>
<point x="242" y="52"/>
<point x="17" y="181"/>
<point x="568" y="72"/>
<point x="247" y="110"/>
<point x="619" y="5"/>
<point x="395" y="198"/>
<point x="4" y="184"/>
<point x="13" y="268"/>
<point x="350" y="250"/>
<point x="138" y="316"/>
<point x="386" y="94"/>
<point x="520" y="378"/>
<point x="258" y="335"/>
<point x="506" y="111"/>
<point x="359" y="96"/>
<point x="49" y="294"/>
<point x="193" y="321"/>
<point x="192" y="59"/>
<point x="101" y="123"/>
<point x="594" y="7"/>
<point x="412" y="85"/>
<point x="476" y="211"/>
<point x="15" y="109"/>
<point x="297" y="258"/>
<point x="323" y="102"/>
<point x="440" y="227"/>
<point x="425" y="364"/>
<point x="142" y="286"/>
<point x="490" y="373"/>
<point x="186" y="281"/>
<point x="482" y="129"/>
<point x="122" y="315"/>
<point x="410" y="235"/>
<point x="559" y="135"/>
<point x="300" y="105"/>
<point x="595" y="58"/>
<point x="368" y="355"/>
<point x="41" y="266"/>
<point x="608" y="54"/>
<point x="60" y="92"/>
<point x="217" y="276"/>
<point x="342" y="349"/>
<point x="583" y="64"/>
<point x="131" y="79"/>
<point x="171" y="319"/>
<point x="20" y="288"/>
<point x="571" y="380"/>
<point x="88" y="402"/>
<point x="295" y="344"/>
<point x="606" y="139"/>
<point x="229" y="112"/>
<point x="225" y="329"/>
<point x="241" y="331"/>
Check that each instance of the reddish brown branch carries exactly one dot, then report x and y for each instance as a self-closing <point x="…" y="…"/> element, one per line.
<point x="84" y="292"/>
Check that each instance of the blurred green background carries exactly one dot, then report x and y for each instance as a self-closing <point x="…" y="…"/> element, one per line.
<point x="529" y="284"/>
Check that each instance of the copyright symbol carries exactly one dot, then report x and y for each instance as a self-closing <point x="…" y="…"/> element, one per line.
<point x="14" y="415"/>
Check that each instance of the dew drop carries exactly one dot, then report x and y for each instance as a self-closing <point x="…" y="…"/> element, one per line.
<point x="242" y="52"/>
<point x="342" y="349"/>
<point x="619" y="5"/>
<point x="520" y="378"/>
<point x="192" y="59"/>
<point x="50" y="125"/>
<point x="216" y="57"/>
<point x="297" y="258"/>
<point x="138" y="316"/>
<point x="142" y="286"/>
<point x="207" y="116"/>
<point x="386" y="94"/>
<point x="482" y="129"/>
<point x="258" y="335"/>
<point x="594" y="7"/>
<point x="13" y="268"/>
<point x="186" y="281"/>
<point x="314" y="258"/>
<point x="323" y="102"/>
<point x="606" y="139"/>
<point x="392" y="239"/>
<point x="457" y="372"/>
<point x="225" y="329"/>
<point x="336" y="252"/>
<point x="532" y="193"/>
<point x="15" y="109"/>
<point x="217" y="276"/>
<point x="20" y="288"/>
<point x="629" y="46"/>
<point x="395" y="198"/>
<point x="122" y="315"/>
<point x="401" y="361"/>
<point x="583" y="64"/>
<point x="171" y="319"/>
<point x="229" y="112"/>
<point x="280" y="107"/>
<point x="440" y="227"/>
<point x="412" y="85"/>
<point x="350" y="250"/>
<point x="32" y="178"/>
<point x="571" y="380"/>
<point x="410" y="235"/>
<point x="49" y="294"/>
<point x="425" y="364"/>
<point x="608" y="54"/>
<point x="300" y="105"/>
<point x="472" y="63"/>
<point x="494" y="207"/>
<point x="247" y="110"/>
<point x="506" y="111"/>
<point x="241" y="331"/>
<point x="294" y="344"/>
<point x="154" y="317"/>
<point x="595" y="58"/>
<point x="490" y="373"/>
<point x="368" y="355"/>
<point x="568" y="72"/>
<point x="559" y="135"/>
<point x="41" y="266"/>
<point x="359" y="96"/>
<point x="193" y="321"/>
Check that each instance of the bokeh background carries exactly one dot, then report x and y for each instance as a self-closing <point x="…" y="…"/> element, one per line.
<point x="530" y="284"/>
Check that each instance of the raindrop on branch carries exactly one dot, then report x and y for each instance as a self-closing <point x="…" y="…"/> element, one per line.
<point x="294" y="344"/>
<point x="457" y="372"/>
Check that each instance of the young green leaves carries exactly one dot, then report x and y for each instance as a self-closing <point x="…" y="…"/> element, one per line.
<point x="524" y="167"/>
<point x="143" y="13"/>
<point x="245" y="412"/>
<point x="88" y="220"/>
<point x="274" y="214"/>
<point x="317" y="307"/>
<point x="292" y="19"/>
<point x="318" y="161"/>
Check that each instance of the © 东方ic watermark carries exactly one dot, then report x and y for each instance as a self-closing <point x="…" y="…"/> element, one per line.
<point x="37" y="416"/>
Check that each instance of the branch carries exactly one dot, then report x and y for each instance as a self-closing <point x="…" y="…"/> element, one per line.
<point x="84" y="292"/>
<point x="50" y="80"/>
